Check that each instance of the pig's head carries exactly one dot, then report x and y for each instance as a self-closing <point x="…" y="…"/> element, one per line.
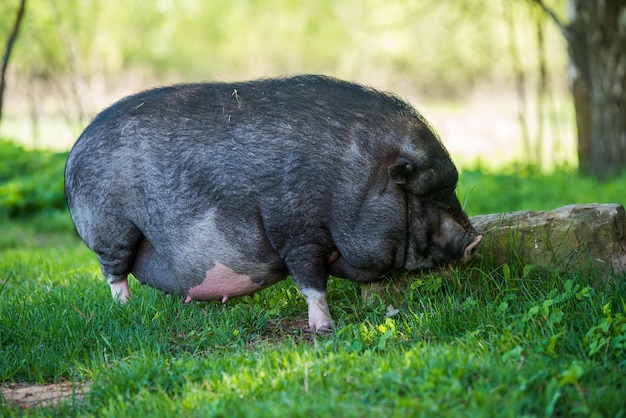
<point x="439" y="232"/>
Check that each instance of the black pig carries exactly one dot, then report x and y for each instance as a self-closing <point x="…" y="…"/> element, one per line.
<point x="218" y="190"/>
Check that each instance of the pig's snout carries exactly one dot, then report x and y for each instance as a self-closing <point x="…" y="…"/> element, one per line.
<point x="454" y="242"/>
<point x="472" y="249"/>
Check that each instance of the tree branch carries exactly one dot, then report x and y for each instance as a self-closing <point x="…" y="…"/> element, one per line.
<point x="562" y="27"/>
<point x="7" y="52"/>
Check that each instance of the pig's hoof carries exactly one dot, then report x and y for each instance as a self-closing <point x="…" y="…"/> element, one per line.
<point x="323" y="330"/>
<point x="119" y="290"/>
<point x="323" y="327"/>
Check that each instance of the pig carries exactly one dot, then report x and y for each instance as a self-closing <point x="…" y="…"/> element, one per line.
<point x="217" y="190"/>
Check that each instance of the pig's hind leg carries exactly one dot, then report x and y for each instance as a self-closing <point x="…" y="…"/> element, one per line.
<point x="117" y="282"/>
<point x="116" y="253"/>
<point x="115" y="270"/>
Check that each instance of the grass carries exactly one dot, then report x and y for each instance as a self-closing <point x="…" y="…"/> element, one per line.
<point x="483" y="342"/>
<point x="520" y="187"/>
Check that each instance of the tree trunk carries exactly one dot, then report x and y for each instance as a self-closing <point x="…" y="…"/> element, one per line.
<point x="582" y="107"/>
<point x="597" y="47"/>
<point x="7" y="51"/>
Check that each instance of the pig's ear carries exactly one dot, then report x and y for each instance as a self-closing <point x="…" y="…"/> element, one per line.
<point x="402" y="170"/>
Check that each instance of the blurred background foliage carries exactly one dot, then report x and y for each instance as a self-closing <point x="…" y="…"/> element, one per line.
<point x="435" y="46"/>
<point x="75" y="57"/>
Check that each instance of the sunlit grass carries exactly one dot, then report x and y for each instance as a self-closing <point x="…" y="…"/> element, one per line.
<point x="482" y="340"/>
<point x="479" y="341"/>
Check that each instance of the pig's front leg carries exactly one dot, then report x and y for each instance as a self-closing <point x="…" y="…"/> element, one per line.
<point x="307" y="266"/>
<point x="320" y="321"/>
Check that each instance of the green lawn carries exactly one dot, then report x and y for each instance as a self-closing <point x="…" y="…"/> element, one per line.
<point x="483" y="342"/>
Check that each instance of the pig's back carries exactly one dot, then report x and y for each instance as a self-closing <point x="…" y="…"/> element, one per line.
<point x="238" y="138"/>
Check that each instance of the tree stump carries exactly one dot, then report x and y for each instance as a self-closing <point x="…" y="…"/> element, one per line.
<point x="591" y="236"/>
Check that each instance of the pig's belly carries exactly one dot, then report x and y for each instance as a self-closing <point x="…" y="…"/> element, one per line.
<point x="222" y="283"/>
<point x="219" y="282"/>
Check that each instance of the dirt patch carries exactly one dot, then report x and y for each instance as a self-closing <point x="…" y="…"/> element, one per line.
<point x="294" y="329"/>
<point x="29" y="396"/>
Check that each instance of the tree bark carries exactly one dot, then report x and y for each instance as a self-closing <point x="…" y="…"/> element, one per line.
<point x="583" y="108"/>
<point x="9" y="47"/>
<point x="596" y="37"/>
<point x="598" y="50"/>
<point x="591" y="236"/>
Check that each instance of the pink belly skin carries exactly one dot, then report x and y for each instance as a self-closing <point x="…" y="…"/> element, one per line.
<point x="222" y="283"/>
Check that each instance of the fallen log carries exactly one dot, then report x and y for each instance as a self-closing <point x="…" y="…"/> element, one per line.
<point x="571" y="236"/>
<point x="590" y="236"/>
